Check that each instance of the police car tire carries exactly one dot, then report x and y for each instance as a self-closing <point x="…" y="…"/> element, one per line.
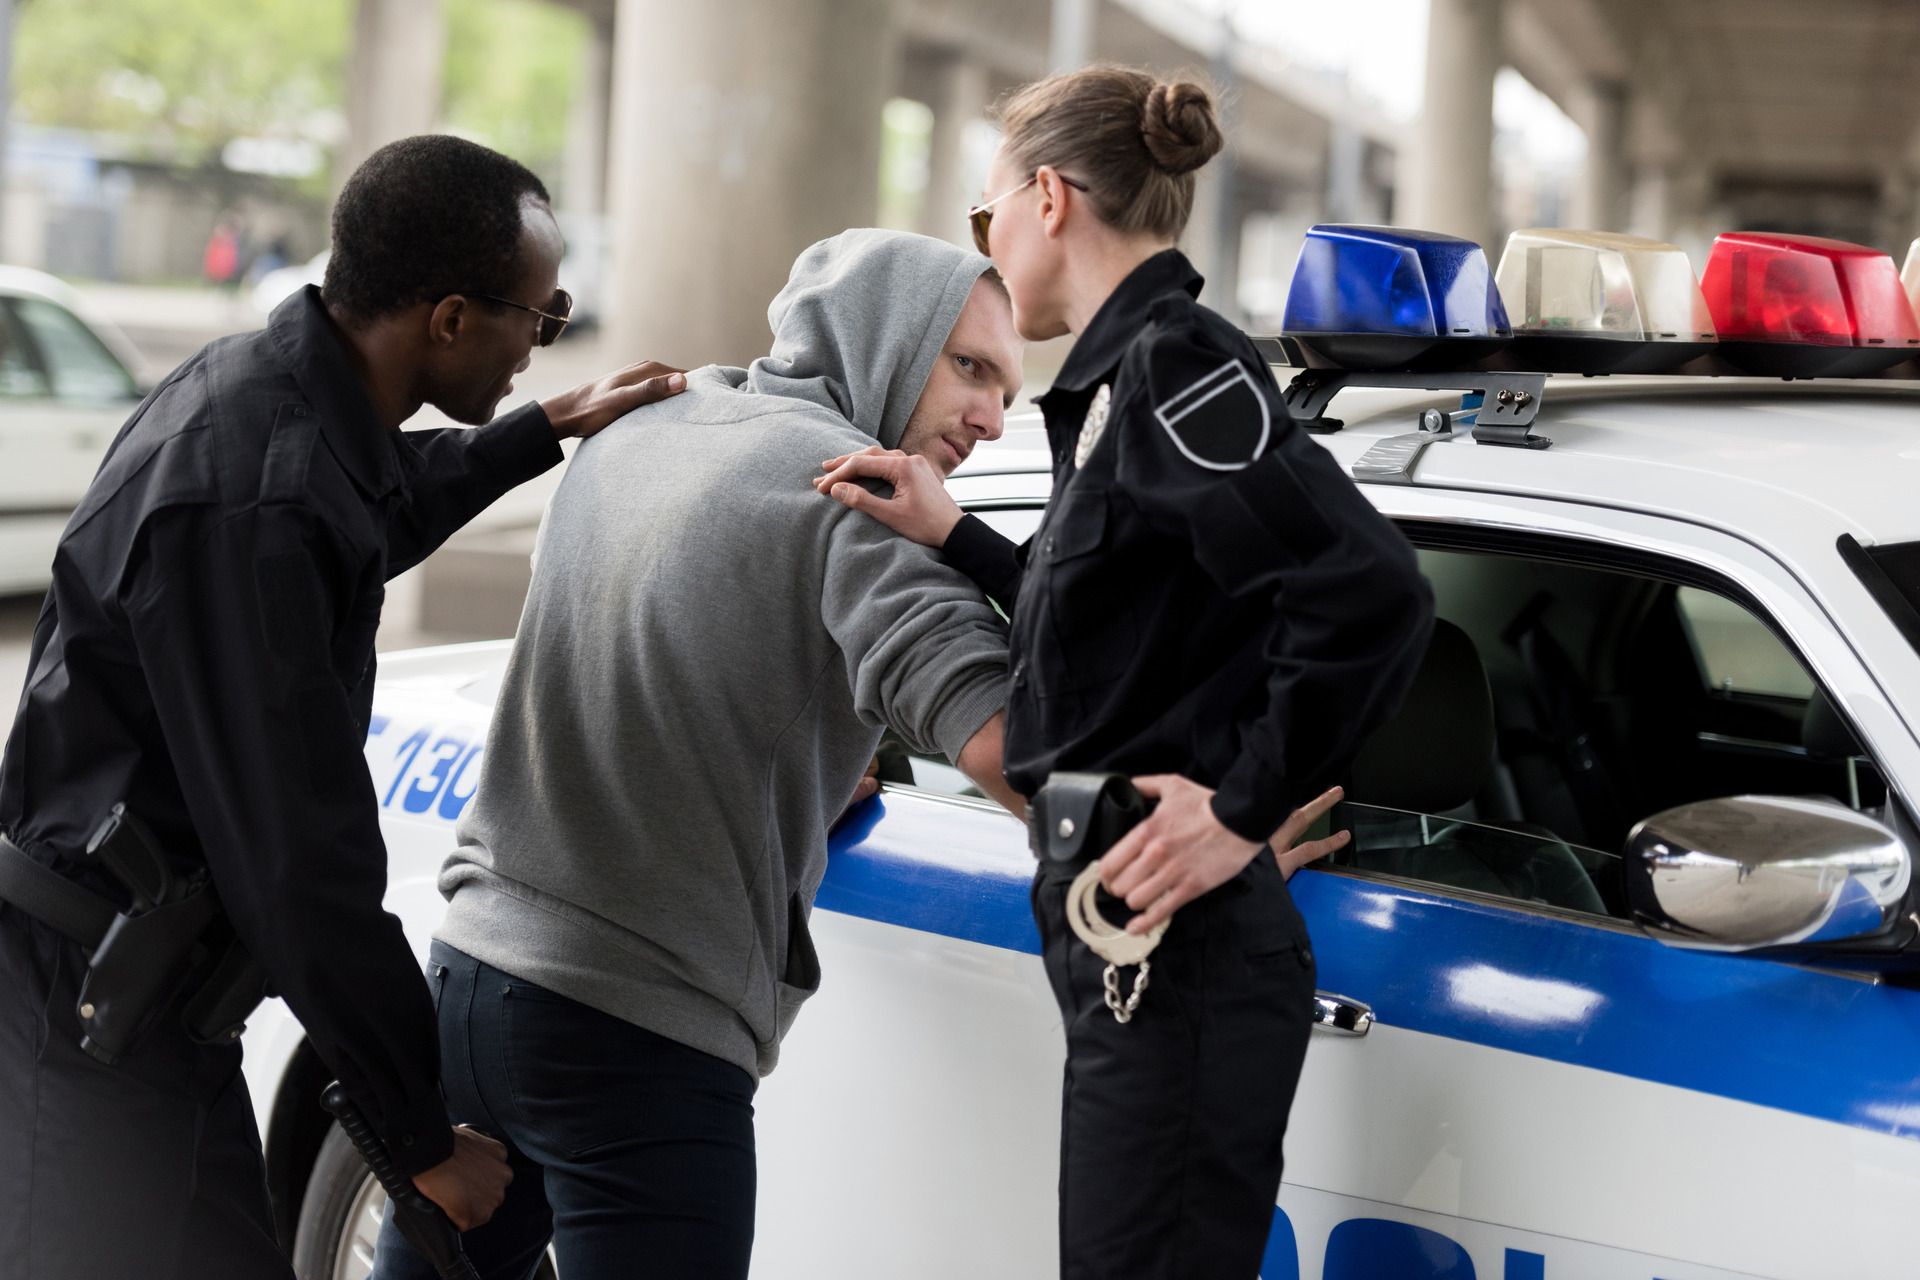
<point x="334" y="1187"/>
<point x="332" y="1190"/>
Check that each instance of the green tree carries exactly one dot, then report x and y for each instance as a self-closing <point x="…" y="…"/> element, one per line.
<point x="512" y="70"/>
<point x="181" y="78"/>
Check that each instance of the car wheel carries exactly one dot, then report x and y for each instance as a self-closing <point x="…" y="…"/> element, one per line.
<point x="340" y="1217"/>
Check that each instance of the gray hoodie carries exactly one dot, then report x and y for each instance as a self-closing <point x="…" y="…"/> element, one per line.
<point x="708" y="654"/>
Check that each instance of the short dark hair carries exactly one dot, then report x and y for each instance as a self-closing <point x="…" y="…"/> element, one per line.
<point x="425" y="217"/>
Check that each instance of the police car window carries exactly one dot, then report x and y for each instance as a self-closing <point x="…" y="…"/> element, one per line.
<point x="19" y="376"/>
<point x="81" y="366"/>
<point x="1561" y="703"/>
<point x="1735" y="650"/>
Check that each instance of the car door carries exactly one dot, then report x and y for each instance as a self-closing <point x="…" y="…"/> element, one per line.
<point x="1547" y="1092"/>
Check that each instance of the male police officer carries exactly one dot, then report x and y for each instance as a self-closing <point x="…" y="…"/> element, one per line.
<point x="205" y="656"/>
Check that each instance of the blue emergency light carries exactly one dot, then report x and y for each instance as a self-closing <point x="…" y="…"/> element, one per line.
<point x="1390" y="298"/>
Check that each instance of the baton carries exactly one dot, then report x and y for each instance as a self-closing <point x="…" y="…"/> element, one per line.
<point x="424" y="1224"/>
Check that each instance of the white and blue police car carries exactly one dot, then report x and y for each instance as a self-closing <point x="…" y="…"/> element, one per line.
<point x="1613" y="973"/>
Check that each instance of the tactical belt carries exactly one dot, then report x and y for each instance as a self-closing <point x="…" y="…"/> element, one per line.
<point x="141" y="960"/>
<point x="52" y="899"/>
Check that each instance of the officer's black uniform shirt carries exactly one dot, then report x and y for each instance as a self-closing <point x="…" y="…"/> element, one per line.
<point x="206" y="654"/>
<point x="1209" y="594"/>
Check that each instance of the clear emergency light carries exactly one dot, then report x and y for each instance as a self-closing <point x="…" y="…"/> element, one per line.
<point x="1389" y="298"/>
<point x="1598" y="302"/>
<point x="1910" y="276"/>
<point x="1805" y="306"/>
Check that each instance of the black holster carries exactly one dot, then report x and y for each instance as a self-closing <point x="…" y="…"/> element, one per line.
<point x="171" y="937"/>
<point x="1076" y="817"/>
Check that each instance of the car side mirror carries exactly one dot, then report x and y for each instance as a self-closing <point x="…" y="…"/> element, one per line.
<point x="1749" y="872"/>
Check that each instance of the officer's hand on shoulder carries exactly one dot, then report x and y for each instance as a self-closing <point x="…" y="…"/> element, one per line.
<point x="920" y="510"/>
<point x="593" y="405"/>
<point x="471" y="1183"/>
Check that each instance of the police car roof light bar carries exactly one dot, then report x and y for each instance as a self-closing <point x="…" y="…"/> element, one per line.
<point x="1805" y="306"/>
<point x="1595" y="302"/>
<point x="1390" y="298"/>
<point x="1510" y="400"/>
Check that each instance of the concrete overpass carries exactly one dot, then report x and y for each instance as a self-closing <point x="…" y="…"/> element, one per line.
<point x="715" y="140"/>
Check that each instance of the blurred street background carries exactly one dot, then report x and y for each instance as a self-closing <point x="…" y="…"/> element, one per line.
<point x="175" y="159"/>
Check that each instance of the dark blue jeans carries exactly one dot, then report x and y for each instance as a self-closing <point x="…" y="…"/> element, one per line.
<point x="631" y="1152"/>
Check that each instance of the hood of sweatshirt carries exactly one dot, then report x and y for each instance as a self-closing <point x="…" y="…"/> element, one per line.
<point x="861" y="322"/>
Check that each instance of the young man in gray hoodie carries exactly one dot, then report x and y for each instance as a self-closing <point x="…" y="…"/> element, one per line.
<point x="707" y="660"/>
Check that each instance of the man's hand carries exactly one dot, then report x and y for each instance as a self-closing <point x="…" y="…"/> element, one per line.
<point x="869" y="785"/>
<point x="592" y="405"/>
<point x="1292" y="857"/>
<point x="471" y="1183"/>
<point x="920" y="509"/>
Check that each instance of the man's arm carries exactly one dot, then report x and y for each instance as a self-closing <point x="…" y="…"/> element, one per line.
<point x="981" y="761"/>
<point x="924" y="653"/>
<point x="233" y="622"/>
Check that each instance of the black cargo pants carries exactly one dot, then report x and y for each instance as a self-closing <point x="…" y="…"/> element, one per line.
<point x="1171" y="1123"/>
<point x="146" y="1170"/>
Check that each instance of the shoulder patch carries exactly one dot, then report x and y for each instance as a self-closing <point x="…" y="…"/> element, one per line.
<point x="1220" y="420"/>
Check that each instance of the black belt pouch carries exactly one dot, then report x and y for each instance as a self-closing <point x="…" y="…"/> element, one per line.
<point x="1077" y="817"/>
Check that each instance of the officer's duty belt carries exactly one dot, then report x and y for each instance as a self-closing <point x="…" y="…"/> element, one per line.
<point x="52" y="899"/>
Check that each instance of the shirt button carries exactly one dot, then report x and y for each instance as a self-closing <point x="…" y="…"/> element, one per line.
<point x="407" y="1141"/>
<point x="1049" y="547"/>
<point x="1020" y="671"/>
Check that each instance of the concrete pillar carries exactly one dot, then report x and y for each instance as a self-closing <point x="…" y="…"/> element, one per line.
<point x="1649" y="211"/>
<point x="393" y="82"/>
<point x="1452" y="187"/>
<point x="1600" y="199"/>
<point x="583" y="176"/>
<point x="1072" y="45"/>
<point x="1346" y="173"/>
<point x="958" y="94"/>
<point x="742" y="132"/>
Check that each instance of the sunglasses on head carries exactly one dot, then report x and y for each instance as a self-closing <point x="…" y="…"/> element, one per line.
<point x="553" y="321"/>
<point x="980" y="217"/>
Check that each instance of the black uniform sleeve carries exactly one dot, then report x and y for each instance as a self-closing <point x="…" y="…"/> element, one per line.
<point x="991" y="559"/>
<point x="466" y="470"/>
<point x="236" y="621"/>
<point x="1209" y="454"/>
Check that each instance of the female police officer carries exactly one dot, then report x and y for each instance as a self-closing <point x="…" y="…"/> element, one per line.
<point x="1209" y="605"/>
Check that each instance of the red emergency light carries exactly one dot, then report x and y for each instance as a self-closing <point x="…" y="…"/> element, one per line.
<point x="1805" y="306"/>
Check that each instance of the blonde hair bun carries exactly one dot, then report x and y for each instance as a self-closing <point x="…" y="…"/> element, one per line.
<point x="1181" y="129"/>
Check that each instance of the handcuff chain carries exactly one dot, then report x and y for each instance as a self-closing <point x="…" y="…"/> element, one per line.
<point x="1123" y="1010"/>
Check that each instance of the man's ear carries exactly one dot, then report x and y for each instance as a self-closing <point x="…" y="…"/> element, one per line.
<point x="445" y="322"/>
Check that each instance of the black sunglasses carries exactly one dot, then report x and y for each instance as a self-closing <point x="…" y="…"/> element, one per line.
<point x="980" y="216"/>
<point x="553" y="322"/>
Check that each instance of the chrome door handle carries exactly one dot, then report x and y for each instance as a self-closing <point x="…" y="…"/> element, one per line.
<point x="1341" y="1015"/>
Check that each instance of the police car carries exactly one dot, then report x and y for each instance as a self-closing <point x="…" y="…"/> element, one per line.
<point x="1585" y="1017"/>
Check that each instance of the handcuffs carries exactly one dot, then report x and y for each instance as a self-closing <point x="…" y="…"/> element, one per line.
<point x="1072" y="820"/>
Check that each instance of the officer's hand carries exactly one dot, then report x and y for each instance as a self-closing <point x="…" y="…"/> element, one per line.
<point x="1292" y="857"/>
<point x="920" y="509"/>
<point x="471" y="1183"/>
<point x="592" y="405"/>
<point x="1180" y="852"/>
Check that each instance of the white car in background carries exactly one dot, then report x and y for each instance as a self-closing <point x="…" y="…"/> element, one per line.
<point x="66" y="386"/>
<point x="1696" y="592"/>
